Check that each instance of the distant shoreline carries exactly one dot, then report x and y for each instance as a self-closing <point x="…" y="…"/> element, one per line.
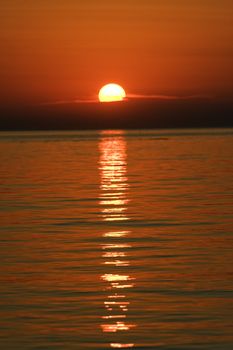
<point x="166" y="114"/>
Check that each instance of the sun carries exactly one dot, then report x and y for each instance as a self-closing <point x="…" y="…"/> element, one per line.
<point x="111" y="92"/>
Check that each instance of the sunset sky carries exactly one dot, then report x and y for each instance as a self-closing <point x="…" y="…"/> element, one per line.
<point x="64" y="50"/>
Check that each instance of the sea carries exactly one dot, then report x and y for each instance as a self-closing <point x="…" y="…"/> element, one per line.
<point x="116" y="239"/>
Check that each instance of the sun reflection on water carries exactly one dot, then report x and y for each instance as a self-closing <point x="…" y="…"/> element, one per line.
<point x="121" y="346"/>
<point x="113" y="203"/>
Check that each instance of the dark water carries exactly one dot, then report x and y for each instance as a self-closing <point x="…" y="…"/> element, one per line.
<point x="116" y="240"/>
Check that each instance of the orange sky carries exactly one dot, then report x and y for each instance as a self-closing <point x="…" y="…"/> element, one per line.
<point x="62" y="50"/>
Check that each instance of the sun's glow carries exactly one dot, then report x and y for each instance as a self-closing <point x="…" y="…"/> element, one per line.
<point x="111" y="93"/>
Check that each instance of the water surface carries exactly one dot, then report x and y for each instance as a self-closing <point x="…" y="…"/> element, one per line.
<point x="116" y="239"/>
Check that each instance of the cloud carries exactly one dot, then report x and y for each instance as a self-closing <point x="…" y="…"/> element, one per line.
<point x="64" y="102"/>
<point x="166" y="97"/>
<point x="129" y="97"/>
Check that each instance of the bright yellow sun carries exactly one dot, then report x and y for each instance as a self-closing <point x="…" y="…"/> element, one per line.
<point x="111" y="93"/>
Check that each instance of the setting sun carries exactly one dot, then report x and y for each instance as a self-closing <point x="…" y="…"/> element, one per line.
<point x="111" y="93"/>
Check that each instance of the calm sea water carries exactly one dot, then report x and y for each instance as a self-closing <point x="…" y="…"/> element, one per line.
<point x="116" y="239"/>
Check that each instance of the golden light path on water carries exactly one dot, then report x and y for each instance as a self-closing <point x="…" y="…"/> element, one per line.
<point x="113" y="204"/>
